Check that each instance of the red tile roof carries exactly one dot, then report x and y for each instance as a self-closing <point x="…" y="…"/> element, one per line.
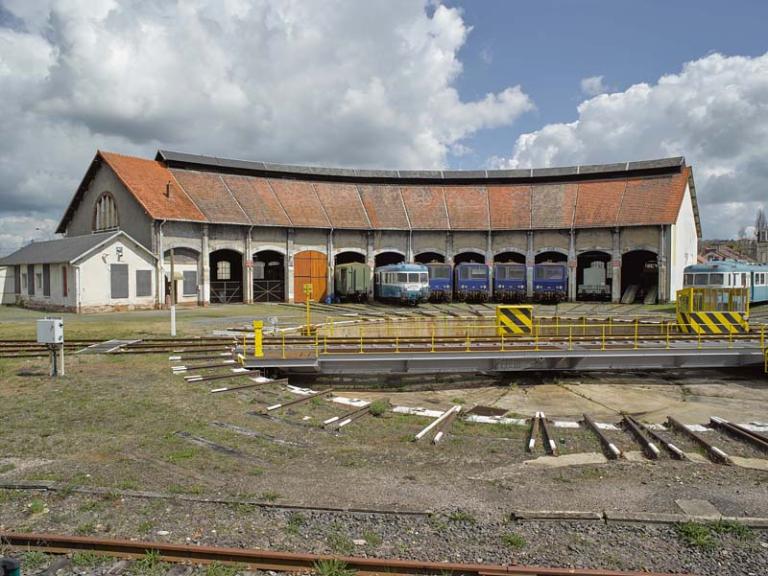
<point x="271" y="196"/>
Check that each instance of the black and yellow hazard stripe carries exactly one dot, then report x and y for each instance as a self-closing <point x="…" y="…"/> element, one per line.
<point x="514" y="319"/>
<point x="712" y="322"/>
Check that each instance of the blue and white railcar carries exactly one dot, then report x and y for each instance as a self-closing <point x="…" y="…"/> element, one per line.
<point x="550" y="282"/>
<point x="472" y="282"/>
<point x="440" y="282"/>
<point x="730" y="274"/>
<point x="401" y="283"/>
<point x="509" y="282"/>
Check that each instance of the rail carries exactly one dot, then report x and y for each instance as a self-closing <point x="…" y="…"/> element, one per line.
<point x="264" y="560"/>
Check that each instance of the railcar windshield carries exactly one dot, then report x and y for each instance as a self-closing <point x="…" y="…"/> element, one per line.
<point x="700" y="279"/>
<point x="473" y="273"/>
<point x="414" y="277"/>
<point x="549" y="273"/>
<point x="716" y="279"/>
<point x="688" y="280"/>
<point x="440" y="272"/>
<point x="402" y="277"/>
<point x="510" y="272"/>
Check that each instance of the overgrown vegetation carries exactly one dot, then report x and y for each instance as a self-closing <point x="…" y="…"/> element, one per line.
<point x="372" y="539"/>
<point x="339" y="542"/>
<point x="513" y="540"/>
<point x="295" y="522"/>
<point x="461" y="516"/>
<point x="379" y="407"/>
<point x="332" y="567"/>
<point x="703" y="535"/>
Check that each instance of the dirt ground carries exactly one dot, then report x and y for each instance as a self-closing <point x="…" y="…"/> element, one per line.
<point x="127" y="424"/>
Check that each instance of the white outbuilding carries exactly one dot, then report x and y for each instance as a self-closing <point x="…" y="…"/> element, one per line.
<point x="104" y="271"/>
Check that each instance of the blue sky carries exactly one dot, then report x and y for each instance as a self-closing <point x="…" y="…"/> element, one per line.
<point x="548" y="46"/>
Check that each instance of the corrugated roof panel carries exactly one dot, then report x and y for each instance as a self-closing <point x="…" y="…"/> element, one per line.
<point x="342" y="205"/>
<point x="258" y="200"/>
<point x="56" y="251"/>
<point x="553" y="205"/>
<point x="598" y="203"/>
<point x="384" y="206"/>
<point x="426" y="207"/>
<point x="467" y="207"/>
<point x="209" y="193"/>
<point x="510" y="207"/>
<point x="300" y="201"/>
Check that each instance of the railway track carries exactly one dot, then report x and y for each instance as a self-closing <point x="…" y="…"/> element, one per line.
<point x="281" y="561"/>
<point x="31" y="349"/>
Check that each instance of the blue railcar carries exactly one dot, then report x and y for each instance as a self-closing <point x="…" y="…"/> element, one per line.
<point x="509" y="282"/>
<point x="440" y="282"/>
<point x="550" y="282"/>
<point x="472" y="282"/>
<point x="401" y="283"/>
<point x="730" y="274"/>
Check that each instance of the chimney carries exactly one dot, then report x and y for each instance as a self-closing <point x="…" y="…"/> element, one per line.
<point x="168" y="189"/>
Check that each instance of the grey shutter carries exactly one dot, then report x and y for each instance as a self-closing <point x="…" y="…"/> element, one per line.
<point x="17" y="279"/>
<point x="46" y="279"/>
<point x="190" y="283"/>
<point x="119" y="280"/>
<point x="31" y="279"/>
<point x="143" y="283"/>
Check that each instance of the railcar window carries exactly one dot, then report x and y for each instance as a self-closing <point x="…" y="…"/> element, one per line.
<point x="516" y="273"/>
<point x="501" y="272"/>
<point x="716" y="279"/>
<point x="413" y="277"/>
<point x="743" y="279"/>
<point x="688" y="280"/>
<point x="477" y="272"/>
<point x="549" y="273"/>
<point x="440" y="273"/>
<point x="464" y="273"/>
<point x="402" y="277"/>
<point x="700" y="279"/>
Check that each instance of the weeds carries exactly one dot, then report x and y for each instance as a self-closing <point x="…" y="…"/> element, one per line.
<point x="88" y="559"/>
<point x="33" y="560"/>
<point x="150" y="564"/>
<point x="295" y="521"/>
<point x="736" y="529"/>
<point x="270" y="496"/>
<point x="332" y="567"/>
<point x="513" y="540"/>
<point x="37" y="506"/>
<point x="86" y="529"/>
<point x="340" y="543"/>
<point x="379" y="407"/>
<point x="217" y="569"/>
<point x="462" y="516"/>
<point x="695" y="534"/>
<point x="372" y="539"/>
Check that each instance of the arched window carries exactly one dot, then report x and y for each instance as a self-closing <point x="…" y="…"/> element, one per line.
<point x="223" y="270"/>
<point x="105" y="215"/>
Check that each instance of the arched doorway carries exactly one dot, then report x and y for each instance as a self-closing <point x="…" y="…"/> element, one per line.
<point x="226" y="276"/>
<point x="550" y="256"/>
<point x="469" y="257"/>
<point x="429" y="258"/>
<point x="639" y="277"/>
<point x="509" y="258"/>
<point x="593" y="275"/>
<point x="387" y="258"/>
<point x="185" y="268"/>
<point x="310" y="267"/>
<point x="348" y="257"/>
<point x="268" y="276"/>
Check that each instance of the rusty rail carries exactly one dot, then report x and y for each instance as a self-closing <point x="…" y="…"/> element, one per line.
<point x="649" y="448"/>
<point x="549" y="444"/>
<point x="610" y="449"/>
<point x="745" y="434"/>
<point x="715" y="454"/>
<point x="283" y="561"/>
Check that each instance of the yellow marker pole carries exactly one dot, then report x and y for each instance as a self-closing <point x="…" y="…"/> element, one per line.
<point x="308" y="293"/>
<point x="258" y="339"/>
<point x="325" y="344"/>
<point x="467" y="347"/>
<point x="535" y="339"/>
<point x="433" y="338"/>
<point x="570" y="337"/>
<point x="668" y="323"/>
<point x="502" y="341"/>
<point x="603" y="330"/>
<point x="557" y="325"/>
<point x="283" y="345"/>
<point x="636" y="330"/>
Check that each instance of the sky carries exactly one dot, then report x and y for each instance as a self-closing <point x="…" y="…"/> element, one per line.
<point x="412" y="84"/>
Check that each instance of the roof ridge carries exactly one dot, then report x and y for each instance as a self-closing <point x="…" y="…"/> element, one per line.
<point x="247" y="216"/>
<point x="280" y="202"/>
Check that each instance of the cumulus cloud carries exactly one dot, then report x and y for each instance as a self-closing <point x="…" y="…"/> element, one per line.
<point x="714" y="112"/>
<point x="593" y="85"/>
<point x="340" y="82"/>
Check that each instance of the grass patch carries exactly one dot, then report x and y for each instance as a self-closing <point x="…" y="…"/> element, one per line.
<point x="270" y="496"/>
<point x="36" y="506"/>
<point x="145" y="526"/>
<point x="736" y="529"/>
<point x="332" y="567"/>
<point x="372" y="539"/>
<point x="34" y="560"/>
<point x="88" y="559"/>
<point x="7" y="467"/>
<point x="379" y="407"/>
<point x="149" y="565"/>
<point x="513" y="540"/>
<point x="461" y="516"/>
<point x="296" y="520"/>
<point x="339" y="542"/>
<point x="696" y="534"/>
<point x="186" y="453"/>
<point x="86" y="529"/>
<point x="217" y="569"/>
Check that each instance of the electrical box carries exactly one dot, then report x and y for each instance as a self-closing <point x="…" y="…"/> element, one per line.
<point x="50" y="331"/>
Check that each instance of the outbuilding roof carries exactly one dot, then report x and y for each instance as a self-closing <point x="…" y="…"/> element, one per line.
<point x="63" y="250"/>
<point x="187" y="187"/>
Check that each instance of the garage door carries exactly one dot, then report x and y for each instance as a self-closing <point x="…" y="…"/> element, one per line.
<point x="310" y="267"/>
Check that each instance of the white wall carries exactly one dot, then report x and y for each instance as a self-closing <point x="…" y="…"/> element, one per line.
<point x="684" y="243"/>
<point x="7" y="285"/>
<point x="94" y="273"/>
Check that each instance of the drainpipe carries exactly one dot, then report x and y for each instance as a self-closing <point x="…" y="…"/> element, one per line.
<point x="160" y="298"/>
<point x="330" y="264"/>
<point x="249" y="266"/>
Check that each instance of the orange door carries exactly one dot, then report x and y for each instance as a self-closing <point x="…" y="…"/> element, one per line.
<point x="310" y="267"/>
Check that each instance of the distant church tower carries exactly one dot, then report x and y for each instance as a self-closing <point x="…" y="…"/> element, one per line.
<point x="761" y="230"/>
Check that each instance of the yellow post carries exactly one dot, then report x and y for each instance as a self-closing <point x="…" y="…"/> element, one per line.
<point x="502" y="341"/>
<point x="468" y="342"/>
<point x="584" y="324"/>
<point x="636" y="330"/>
<point x="397" y="343"/>
<point x="258" y="339"/>
<point x="610" y="325"/>
<point x="603" y="331"/>
<point x="283" y="345"/>
<point x="557" y="325"/>
<point x="535" y="339"/>
<point x="668" y="323"/>
<point x="308" y="293"/>
<point x="570" y="337"/>
<point x="325" y="344"/>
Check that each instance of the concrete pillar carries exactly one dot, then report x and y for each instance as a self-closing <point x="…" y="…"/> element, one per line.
<point x="530" y="262"/>
<point x="204" y="289"/>
<point x="370" y="260"/>
<point x="248" y="269"/>
<point x="664" y="294"/>
<point x="160" y="272"/>
<point x="409" y="248"/>
<point x="330" y="264"/>
<point x="289" y="239"/>
<point x="616" y="265"/>
<point x="572" y="263"/>
<point x="449" y="248"/>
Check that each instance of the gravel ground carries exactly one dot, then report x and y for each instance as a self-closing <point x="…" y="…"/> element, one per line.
<point x="451" y="535"/>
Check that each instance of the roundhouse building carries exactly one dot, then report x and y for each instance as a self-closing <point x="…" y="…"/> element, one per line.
<point x="246" y="231"/>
